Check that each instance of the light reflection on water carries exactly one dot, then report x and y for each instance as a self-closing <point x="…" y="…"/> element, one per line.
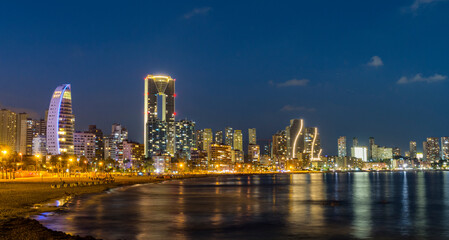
<point x="413" y="205"/>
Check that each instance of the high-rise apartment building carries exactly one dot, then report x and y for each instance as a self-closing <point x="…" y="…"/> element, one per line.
<point x="185" y="139"/>
<point x="84" y="143"/>
<point x="199" y="139"/>
<point x="238" y="140"/>
<point x="279" y="146"/>
<point x="412" y="149"/>
<point x="8" y="128"/>
<point x="371" y="144"/>
<point x="229" y="136"/>
<point x="295" y="138"/>
<point x="99" y="144"/>
<point x="21" y="133"/>
<point x="218" y="137"/>
<point x="312" y="143"/>
<point x="133" y="152"/>
<point x="252" y="136"/>
<point x="445" y="148"/>
<point x="432" y="149"/>
<point x="113" y="145"/>
<point x="207" y="138"/>
<point x="159" y="115"/>
<point x="342" y="152"/>
<point x="61" y="122"/>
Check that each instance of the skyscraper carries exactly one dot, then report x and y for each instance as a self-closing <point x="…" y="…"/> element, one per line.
<point x="312" y="143"/>
<point x="432" y="149"/>
<point x="8" y="128"/>
<point x="185" y="139"/>
<point x="99" y="144"/>
<point x="61" y="122"/>
<point x="84" y="145"/>
<point x="412" y="149"/>
<point x="370" y="148"/>
<point x="207" y="138"/>
<point x="295" y="138"/>
<point x="21" y="135"/>
<point x="229" y="136"/>
<point x="238" y="140"/>
<point x="113" y="145"/>
<point x="445" y="148"/>
<point x="355" y="142"/>
<point x="159" y="114"/>
<point x="252" y="136"/>
<point x="279" y="147"/>
<point x="199" y="139"/>
<point x="342" y="152"/>
<point x="218" y="137"/>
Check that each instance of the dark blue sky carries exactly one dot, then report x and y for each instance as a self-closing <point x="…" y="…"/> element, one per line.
<point x="354" y="68"/>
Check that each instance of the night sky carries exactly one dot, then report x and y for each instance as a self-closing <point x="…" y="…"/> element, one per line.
<point x="353" y="68"/>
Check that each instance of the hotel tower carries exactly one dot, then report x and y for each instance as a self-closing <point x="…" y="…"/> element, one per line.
<point x="159" y="115"/>
<point x="61" y="122"/>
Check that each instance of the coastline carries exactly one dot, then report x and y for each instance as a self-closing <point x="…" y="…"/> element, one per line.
<point x="15" y="221"/>
<point x="22" y="198"/>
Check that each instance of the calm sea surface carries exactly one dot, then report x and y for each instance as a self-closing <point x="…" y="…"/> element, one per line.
<point x="408" y="205"/>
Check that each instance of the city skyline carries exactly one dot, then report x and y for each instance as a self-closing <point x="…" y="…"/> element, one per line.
<point x="367" y="80"/>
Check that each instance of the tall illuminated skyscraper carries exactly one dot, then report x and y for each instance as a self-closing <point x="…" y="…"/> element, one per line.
<point x="207" y="138"/>
<point x="342" y="152"/>
<point x="432" y="149"/>
<point x="229" y="136"/>
<point x="185" y="139"/>
<point x="412" y="149"/>
<point x="8" y="128"/>
<point x="312" y="143"/>
<point x="252" y="136"/>
<point x="159" y="115"/>
<point x="295" y="138"/>
<point x="238" y="140"/>
<point x="61" y="122"/>
<point x="219" y="137"/>
<point x="279" y="147"/>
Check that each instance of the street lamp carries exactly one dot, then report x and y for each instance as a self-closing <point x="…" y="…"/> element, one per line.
<point x="37" y="158"/>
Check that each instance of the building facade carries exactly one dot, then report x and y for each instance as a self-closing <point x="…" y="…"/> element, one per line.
<point x="252" y="136"/>
<point x="229" y="136"/>
<point x="342" y="151"/>
<point x="84" y="143"/>
<point x="445" y="148"/>
<point x="412" y="150"/>
<point x="185" y="139"/>
<point x="238" y="140"/>
<point x="159" y="123"/>
<point x="432" y="149"/>
<point x="60" y="122"/>
<point x="295" y="138"/>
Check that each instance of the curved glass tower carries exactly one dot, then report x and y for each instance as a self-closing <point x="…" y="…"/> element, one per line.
<point x="60" y="122"/>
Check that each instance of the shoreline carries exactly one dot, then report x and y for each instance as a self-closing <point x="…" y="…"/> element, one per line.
<point x="16" y="221"/>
